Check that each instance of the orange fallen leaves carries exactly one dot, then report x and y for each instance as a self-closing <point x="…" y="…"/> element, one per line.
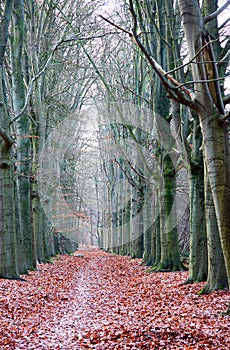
<point x="96" y="300"/>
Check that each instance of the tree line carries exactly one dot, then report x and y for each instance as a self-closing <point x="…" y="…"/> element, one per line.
<point x="37" y="92"/>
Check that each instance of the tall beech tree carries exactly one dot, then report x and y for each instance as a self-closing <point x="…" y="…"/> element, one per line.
<point x="8" y="247"/>
<point x="23" y="127"/>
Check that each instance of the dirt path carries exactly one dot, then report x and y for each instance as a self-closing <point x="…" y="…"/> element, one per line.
<point x="103" y="301"/>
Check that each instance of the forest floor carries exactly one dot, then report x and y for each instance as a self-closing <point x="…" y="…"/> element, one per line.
<point x="104" y="301"/>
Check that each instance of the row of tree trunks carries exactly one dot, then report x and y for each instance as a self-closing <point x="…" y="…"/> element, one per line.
<point x="215" y="132"/>
<point x="201" y="137"/>
<point x="26" y="236"/>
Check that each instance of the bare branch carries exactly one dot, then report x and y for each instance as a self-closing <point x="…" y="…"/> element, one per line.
<point x="226" y="99"/>
<point x="133" y="92"/>
<point x="217" y="12"/>
<point x="199" y="81"/>
<point x="130" y="179"/>
<point x="76" y="36"/>
<point x="116" y="26"/>
<point x="37" y="76"/>
<point x="6" y="138"/>
<point x="165" y="78"/>
<point x="31" y="84"/>
<point x="225" y="117"/>
<point x="223" y="24"/>
<point x="192" y="60"/>
<point x="225" y="59"/>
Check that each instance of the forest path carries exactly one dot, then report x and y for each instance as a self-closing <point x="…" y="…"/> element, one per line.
<point x="104" y="301"/>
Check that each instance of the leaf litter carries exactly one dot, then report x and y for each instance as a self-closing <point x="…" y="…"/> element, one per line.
<point x="97" y="300"/>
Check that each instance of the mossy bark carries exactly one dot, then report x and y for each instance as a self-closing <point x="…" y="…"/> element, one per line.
<point x="198" y="262"/>
<point x="136" y="229"/>
<point x="170" y="257"/>
<point x="23" y="140"/>
<point x="148" y="225"/>
<point x="156" y="242"/>
<point x="115" y="222"/>
<point x="217" y="276"/>
<point x="8" y="244"/>
<point x="127" y="224"/>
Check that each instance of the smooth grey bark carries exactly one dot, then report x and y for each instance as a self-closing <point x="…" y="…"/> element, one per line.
<point x="198" y="267"/>
<point x="23" y="141"/>
<point x="126" y="221"/>
<point x="107" y="211"/>
<point x="148" y="224"/>
<point x="137" y="230"/>
<point x="155" y="236"/>
<point x="156" y="242"/>
<point x="217" y="276"/>
<point x="198" y="263"/>
<point x="120" y="211"/>
<point x="8" y="248"/>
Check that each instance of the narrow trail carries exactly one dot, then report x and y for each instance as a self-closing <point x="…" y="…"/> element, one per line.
<point x="103" y="301"/>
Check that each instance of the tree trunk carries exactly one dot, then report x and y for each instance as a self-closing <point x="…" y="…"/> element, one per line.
<point x="148" y="225"/>
<point x="217" y="277"/>
<point x="156" y="240"/>
<point x="198" y="265"/>
<point x="136" y="229"/>
<point x="23" y="140"/>
<point x="170" y="257"/>
<point x="126" y="223"/>
<point x="8" y="248"/>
